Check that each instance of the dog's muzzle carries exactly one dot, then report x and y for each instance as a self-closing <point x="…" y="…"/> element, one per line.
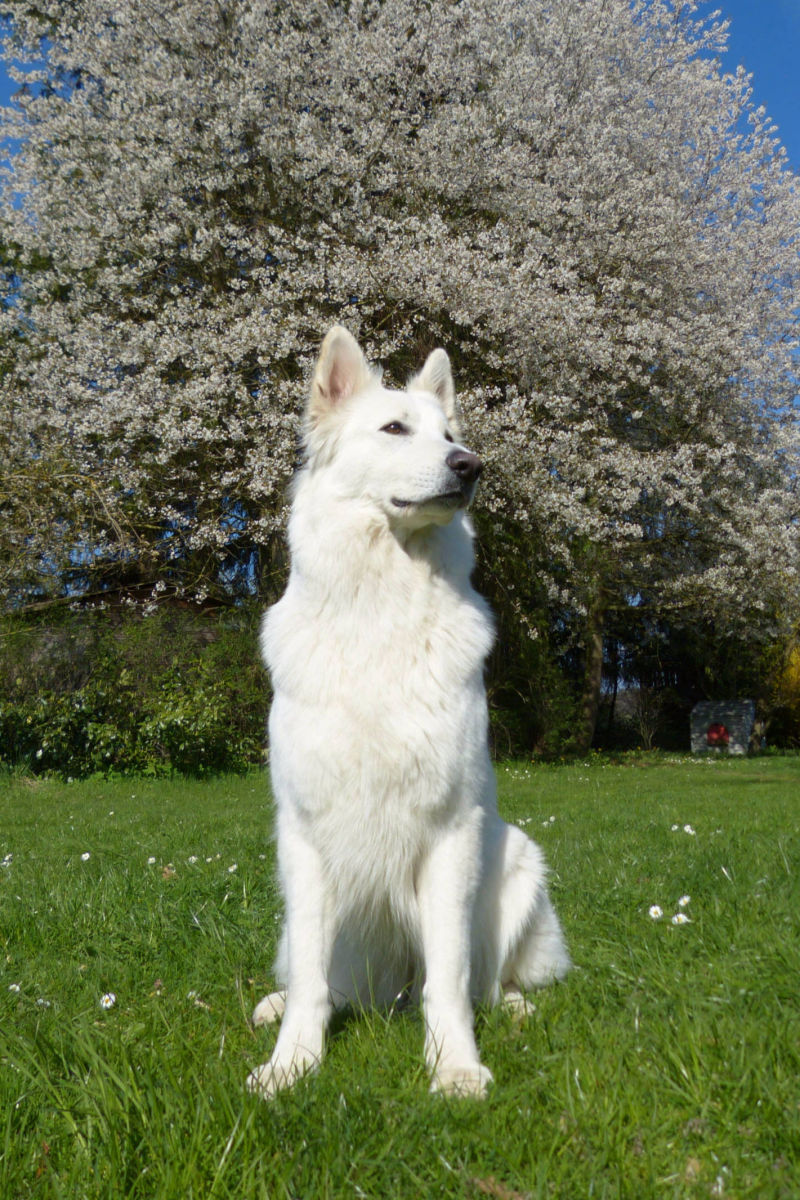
<point x="466" y="468"/>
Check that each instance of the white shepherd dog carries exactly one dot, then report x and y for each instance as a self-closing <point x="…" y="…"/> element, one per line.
<point x="396" y="870"/>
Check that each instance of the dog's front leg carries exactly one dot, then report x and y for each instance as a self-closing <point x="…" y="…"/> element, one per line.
<point x="309" y="933"/>
<point x="446" y="891"/>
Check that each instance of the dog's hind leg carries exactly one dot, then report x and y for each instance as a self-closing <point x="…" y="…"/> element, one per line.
<point x="541" y="955"/>
<point x="518" y="940"/>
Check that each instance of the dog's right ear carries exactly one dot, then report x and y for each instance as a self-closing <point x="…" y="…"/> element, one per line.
<point x="340" y="373"/>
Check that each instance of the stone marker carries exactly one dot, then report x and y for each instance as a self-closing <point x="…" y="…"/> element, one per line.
<point x="722" y="725"/>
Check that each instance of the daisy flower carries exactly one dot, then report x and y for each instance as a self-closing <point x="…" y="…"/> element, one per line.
<point x="108" y="1000"/>
<point x="655" y="911"/>
<point x="680" y="919"/>
<point x="684" y="900"/>
<point x="85" y="856"/>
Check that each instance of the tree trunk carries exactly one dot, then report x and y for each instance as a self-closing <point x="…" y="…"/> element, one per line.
<point x="592" y="681"/>
<point x="612" y="708"/>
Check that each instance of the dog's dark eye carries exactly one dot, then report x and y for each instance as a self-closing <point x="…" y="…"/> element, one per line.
<point x="394" y="427"/>
<point x="448" y="437"/>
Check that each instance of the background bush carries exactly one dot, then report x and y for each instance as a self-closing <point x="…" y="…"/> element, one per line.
<point x="786" y="698"/>
<point x="101" y="691"/>
<point x="105" y="691"/>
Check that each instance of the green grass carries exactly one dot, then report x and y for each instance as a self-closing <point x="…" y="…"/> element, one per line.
<point x="668" y="1063"/>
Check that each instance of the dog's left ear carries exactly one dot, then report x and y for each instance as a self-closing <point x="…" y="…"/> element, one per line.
<point x="437" y="377"/>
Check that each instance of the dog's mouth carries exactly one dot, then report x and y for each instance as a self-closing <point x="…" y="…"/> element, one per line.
<point x="455" y="499"/>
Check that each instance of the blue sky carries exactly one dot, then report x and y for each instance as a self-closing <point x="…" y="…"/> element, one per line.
<point x="764" y="36"/>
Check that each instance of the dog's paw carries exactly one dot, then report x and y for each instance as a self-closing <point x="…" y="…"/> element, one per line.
<point x="269" y="1009"/>
<point x="517" y="1005"/>
<point x="274" y="1076"/>
<point x="462" y="1081"/>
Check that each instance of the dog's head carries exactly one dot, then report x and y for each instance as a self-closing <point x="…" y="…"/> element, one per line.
<point x="397" y="450"/>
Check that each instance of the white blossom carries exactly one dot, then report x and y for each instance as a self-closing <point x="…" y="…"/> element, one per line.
<point x="579" y="201"/>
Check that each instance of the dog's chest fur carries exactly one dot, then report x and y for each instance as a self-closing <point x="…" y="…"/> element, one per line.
<point x="376" y="654"/>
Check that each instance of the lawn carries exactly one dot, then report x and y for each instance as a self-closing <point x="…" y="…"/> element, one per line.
<point x="138" y="920"/>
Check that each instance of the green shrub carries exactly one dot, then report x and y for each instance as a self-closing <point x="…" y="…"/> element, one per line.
<point x="103" y="692"/>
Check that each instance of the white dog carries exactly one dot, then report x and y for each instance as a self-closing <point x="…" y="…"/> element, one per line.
<point x="395" y="868"/>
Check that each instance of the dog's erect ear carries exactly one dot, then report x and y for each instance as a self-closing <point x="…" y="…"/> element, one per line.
<point x="437" y="377"/>
<point x="340" y="373"/>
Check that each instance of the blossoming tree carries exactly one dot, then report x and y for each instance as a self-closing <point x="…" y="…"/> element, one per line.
<point x="575" y="199"/>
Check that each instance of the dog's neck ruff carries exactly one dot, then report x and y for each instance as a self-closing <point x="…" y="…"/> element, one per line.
<point x="344" y="545"/>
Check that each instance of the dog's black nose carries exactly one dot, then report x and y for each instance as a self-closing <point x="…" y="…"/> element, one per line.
<point x="467" y="466"/>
